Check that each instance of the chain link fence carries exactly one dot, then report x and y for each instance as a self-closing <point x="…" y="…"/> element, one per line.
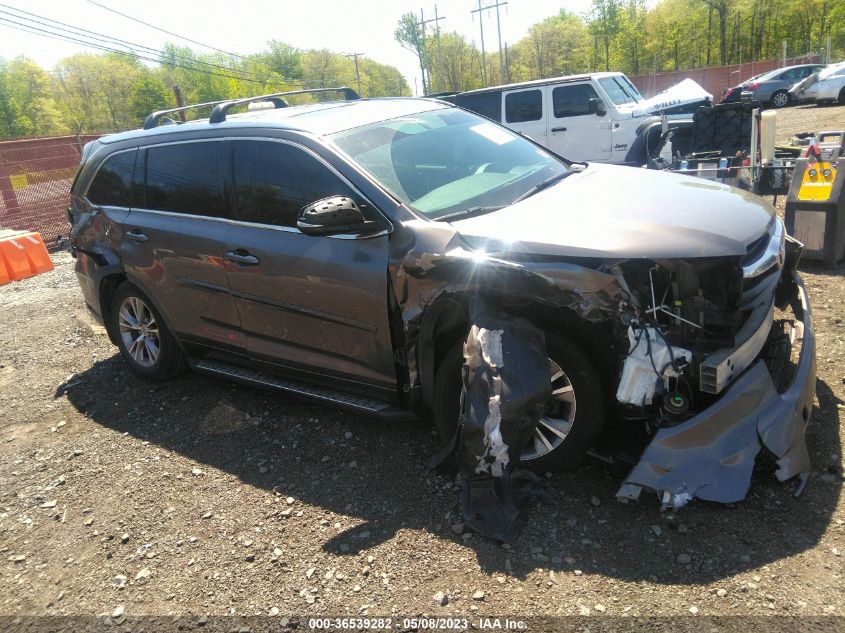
<point x="35" y="179"/>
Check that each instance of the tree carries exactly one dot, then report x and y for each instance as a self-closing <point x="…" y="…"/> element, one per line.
<point x="604" y="24"/>
<point x="410" y="35"/>
<point x="149" y="94"/>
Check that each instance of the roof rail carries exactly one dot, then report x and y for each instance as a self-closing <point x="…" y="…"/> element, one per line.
<point x="218" y="115"/>
<point x="152" y="120"/>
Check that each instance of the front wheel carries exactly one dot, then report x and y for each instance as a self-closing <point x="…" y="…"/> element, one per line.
<point x="574" y="414"/>
<point x="780" y="99"/>
<point x="842" y="97"/>
<point x="143" y="338"/>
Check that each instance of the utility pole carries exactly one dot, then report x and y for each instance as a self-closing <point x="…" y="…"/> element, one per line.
<point x="483" y="52"/>
<point x="507" y="65"/>
<point x="422" y="24"/>
<point x="479" y="10"/>
<point x="357" y="73"/>
<point x="180" y="102"/>
<point x="499" y="29"/>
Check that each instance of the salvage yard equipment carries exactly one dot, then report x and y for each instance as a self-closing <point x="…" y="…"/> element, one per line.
<point x="734" y="143"/>
<point x="22" y="255"/>
<point x="815" y="207"/>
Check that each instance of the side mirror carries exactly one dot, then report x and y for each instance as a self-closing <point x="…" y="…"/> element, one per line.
<point x="596" y="106"/>
<point x="336" y="214"/>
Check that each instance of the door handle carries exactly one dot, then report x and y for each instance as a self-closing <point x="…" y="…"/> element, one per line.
<point x="136" y="236"/>
<point x="241" y="257"/>
<point x="558" y="129"/>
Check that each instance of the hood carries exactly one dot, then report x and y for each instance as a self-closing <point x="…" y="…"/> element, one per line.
<point x="686" y="92"/>
<point x="612" y="211"/>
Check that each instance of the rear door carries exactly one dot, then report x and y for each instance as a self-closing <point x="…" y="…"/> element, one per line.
<point x="575" y="132"/>
<point x="525" y="113"/>
<point x="315" y="304"/>
<point x="171" y="246"/>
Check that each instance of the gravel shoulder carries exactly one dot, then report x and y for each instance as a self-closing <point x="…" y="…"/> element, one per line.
<point x="198" y="496"/>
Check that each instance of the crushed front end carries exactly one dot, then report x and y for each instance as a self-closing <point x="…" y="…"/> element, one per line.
<point x="720" y="363"/>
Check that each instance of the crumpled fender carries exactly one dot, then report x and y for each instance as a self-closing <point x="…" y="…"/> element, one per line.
<point x="505" y="389"/>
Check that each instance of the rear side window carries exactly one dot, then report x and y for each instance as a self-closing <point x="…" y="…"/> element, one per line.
<point x="185" y="178"/>
<point x="795" y="73"/>
<point x="572" y="100"/>
<point x="487" y="104"/>
<point x="112" y="186"/>
<point x="273" y="181"/>
<point x="524" y="106"/>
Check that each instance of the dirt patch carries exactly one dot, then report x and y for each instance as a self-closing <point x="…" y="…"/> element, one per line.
<point x="198" y="496"/>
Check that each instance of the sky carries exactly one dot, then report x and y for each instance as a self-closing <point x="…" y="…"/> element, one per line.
<point x="245" y="26"/>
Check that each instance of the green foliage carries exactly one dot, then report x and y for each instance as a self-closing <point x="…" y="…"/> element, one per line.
<point x="410" y="35"/>
<point x="111" y="92"/>
<point x="628" y="36"/>
<point x="28" y="106"/>
<point x="149" y="94"/>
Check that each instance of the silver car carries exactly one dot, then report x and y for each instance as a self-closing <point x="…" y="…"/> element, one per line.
<point x="772" y="87"/>
<point x="826" y="85"/>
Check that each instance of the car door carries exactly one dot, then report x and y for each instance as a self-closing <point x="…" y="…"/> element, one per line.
<point x="171" y="246"/>
<point x="313" y="304"/>
<point x="576" y="131"/>
<point x="524" y="113"/>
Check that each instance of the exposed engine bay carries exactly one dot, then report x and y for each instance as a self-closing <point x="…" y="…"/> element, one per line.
<point x="706" y="374"/>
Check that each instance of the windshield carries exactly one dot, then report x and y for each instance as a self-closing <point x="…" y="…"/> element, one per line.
<point x="447" y="161"/>
<point x="620" y="90"/>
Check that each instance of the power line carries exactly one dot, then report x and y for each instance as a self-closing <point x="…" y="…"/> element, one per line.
<point x="181" y="37"/>
<point x="18" y="26"/>
<point x="100" y="38"/>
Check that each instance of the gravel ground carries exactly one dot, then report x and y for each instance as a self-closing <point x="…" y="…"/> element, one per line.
<point x="200" y="497"/>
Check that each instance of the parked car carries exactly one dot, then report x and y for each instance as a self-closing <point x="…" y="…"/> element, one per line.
<point x="772" y="87"/>
<point x="342" y="250"/>
<point x="595" y="116"/>
<point x="824" y="86"/>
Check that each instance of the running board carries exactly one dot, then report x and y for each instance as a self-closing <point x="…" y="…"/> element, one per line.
<point x="266" y="381"/>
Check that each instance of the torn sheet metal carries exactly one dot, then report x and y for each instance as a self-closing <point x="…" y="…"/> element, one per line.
<point x="711" y="456"/>
<point x="505" y="390"/>
<point x="651" y="362"/>
<point x="439" y="262"/>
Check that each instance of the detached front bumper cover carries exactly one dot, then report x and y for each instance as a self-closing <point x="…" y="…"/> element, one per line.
<point x="711" y="455"/>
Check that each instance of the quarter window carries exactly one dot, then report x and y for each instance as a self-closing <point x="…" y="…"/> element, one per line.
<point x="186" y="178"/>
<point x="572" y="100"/>
<point x="487" y="104"/>
<point x="524" y="106"/>
<point x="112" y="185"/>
<point x="273" y="181"/>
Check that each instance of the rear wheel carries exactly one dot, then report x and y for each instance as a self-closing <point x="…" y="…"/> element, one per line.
<point x="780" y="99"/>
<point x="842" y="97"/>
<point x="143" y="338"/>
<point x="574" y="414"/>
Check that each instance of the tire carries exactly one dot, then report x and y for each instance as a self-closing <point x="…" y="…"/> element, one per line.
<point x="780" y="99"/>
<point x="586" y="388"/>
<point x="155" y="355"/>
<point x="841" y="98"/>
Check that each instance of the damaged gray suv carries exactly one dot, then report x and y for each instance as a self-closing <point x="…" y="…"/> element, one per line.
<point x="404" y="257"/>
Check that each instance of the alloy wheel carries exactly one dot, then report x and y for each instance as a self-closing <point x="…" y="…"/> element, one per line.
<point x="558" y="418"/>
<point x="139" y="331"/>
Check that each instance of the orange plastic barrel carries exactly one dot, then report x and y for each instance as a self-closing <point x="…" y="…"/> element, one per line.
<point x="22" y="255"/>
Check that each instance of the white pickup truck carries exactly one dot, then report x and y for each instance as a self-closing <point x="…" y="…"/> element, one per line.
<point x="595" y="117"/>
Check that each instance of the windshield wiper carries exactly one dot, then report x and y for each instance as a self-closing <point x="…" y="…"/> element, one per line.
<point x="548" y="182"/>
<point x="468" y="213"/>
